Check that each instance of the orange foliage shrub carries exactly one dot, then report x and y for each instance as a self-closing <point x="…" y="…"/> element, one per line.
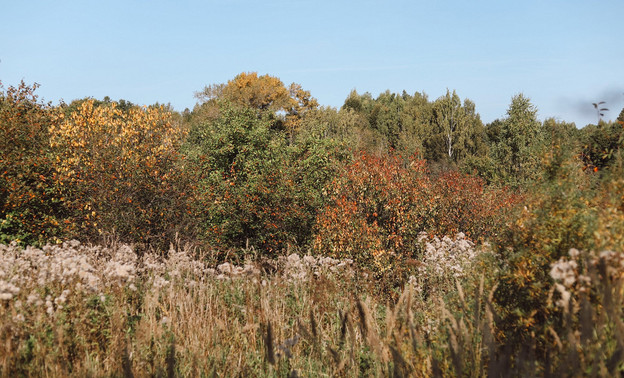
<point x="379" y="205"/>
<point x="462" y="203"/>
<point x="377" y="208"/>
<point x="30" y="208"/>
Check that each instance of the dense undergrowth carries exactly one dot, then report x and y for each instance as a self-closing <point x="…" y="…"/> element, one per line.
<point x="262" y="235"/>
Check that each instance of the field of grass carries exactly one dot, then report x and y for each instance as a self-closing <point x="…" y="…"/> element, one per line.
<point x="78" y="310"/>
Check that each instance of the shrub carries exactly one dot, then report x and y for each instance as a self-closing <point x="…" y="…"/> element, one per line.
<point x="379" y="205"/>
<point x="601" y="144"/>
<point x="462" y="203"/>
<point x="561" y="213"/>
<point x="31" y="210"/>
<point x="376" y="210"/>
<point x="121" y="172"/>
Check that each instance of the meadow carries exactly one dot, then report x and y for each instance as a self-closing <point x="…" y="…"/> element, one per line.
<point x="77" y="310"/>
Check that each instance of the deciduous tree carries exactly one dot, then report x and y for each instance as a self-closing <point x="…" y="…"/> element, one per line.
<point x="265" y="94"/>
<point x="457" y="129"/>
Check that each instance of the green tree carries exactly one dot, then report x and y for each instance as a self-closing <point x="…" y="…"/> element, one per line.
<point x="255" y="187"/>
<point x="397" y="121"/>
<point x="449" y="117"/>
<point x="445" y="130"/>
<point x="516" y="150"/>
<point x="361" y="103"/>
<point x="601" y="144"/>
<point x="386" y="116"/>
<point x="561" y="144"/>
<point x="347" y="127"/>
<point x="415" y="124"/>
<point x="374" y="128"/>
<point x="457" y="130"/>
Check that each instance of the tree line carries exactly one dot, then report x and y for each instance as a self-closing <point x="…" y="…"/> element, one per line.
<point x="253" y="147"/>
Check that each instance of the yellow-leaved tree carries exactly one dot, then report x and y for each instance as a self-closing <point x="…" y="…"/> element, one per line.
<point x="121" y="171"/>
<point x="266" y="94"/>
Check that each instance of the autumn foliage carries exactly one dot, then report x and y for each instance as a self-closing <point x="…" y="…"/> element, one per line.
<point x="463" y="203"/>
<point x="377" y="208"/>
<point x="91" y="172"/>
<point x="266" y="95"/>
<point x="121" y="172"/>
<point x="380" y="205"/>
<point x="30" y="201"/>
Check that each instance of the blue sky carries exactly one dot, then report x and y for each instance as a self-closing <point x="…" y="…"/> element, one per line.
<point x="564" y="55"/>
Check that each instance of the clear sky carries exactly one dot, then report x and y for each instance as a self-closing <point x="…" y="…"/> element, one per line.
<point x="563" y="54"/>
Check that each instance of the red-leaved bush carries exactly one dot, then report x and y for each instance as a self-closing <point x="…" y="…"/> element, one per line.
<point x="463" y="203"/>
<point x="379" y="205"/>
<point x="377" y="208"/>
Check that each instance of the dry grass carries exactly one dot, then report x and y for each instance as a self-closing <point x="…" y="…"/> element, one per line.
<point x="75" y="310"/>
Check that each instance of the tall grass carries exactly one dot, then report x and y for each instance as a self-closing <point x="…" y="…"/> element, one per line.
<point x="76" y="310"/>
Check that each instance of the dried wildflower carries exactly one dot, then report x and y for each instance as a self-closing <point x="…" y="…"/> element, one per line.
<point x="159" y="282"/>
<point x="573" y="275"/>
<point x="607" y="255"/>
<point x="34" y="299"/>
<point x="8" y="290"/>
<point x="227" y="268"/>
<point x="296" y="268"/>
<point x="443" y="260"/>
<point x="60" y="300"/>
<point x="564" y="301"/>
<point x="564" y="270"/>
<point x="49" y="306"/>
